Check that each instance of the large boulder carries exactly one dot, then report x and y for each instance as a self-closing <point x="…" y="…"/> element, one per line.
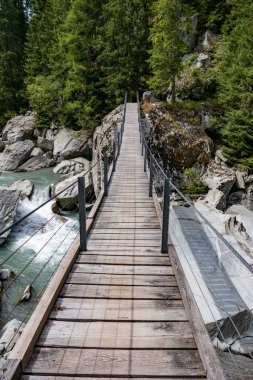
<point x="37" y="152"/>
<point x="216" y="198"/>
<point x="45" y="144"/>
<point x="102" y="142"/>
<point x="68" y="199"/>
<point x="36" y="163"/>
<point x="71" y="144"/>
<point x="178" y="144"/>
<point x="15" y="155"/>
<point x="74" y="166"/>
<point x="19" y="128"/>
<point x="24" y="186"/>
<point x="221" y="178"/>
<point x="248" y="200"/>
<point x="8" y="207"/>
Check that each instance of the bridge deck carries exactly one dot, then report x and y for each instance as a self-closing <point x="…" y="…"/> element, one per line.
<point x="120" y="313"/>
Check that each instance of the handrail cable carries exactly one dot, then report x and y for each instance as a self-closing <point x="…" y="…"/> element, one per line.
<point x="46" y="202"/>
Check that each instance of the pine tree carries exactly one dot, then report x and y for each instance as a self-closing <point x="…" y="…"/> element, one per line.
<point x="12" y="39"/>
<point x="83" y="95"/>
<point x="170" y="26"/>
<point x="125" y="47"/>
<point x="236" y="84"/>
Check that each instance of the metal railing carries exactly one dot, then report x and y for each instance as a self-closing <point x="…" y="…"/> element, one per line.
<point x="162" y="187"/>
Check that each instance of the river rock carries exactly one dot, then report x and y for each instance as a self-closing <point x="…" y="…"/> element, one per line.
<point x="240" y="177"/>
<point x="37" y="152"/>
<point x="26" y="293"/>
<point x="45" y="144"/>
<point x="2" y="146"/>
<point x="8" y="207"/>
<point x="74" y="166"/>
<point x="24" y="186"/>
<point x="68" y="199"/>
<point x="15" y="155"/>
<point x="10" y="335"/>
<point x="248" y="200"/>
<point x="6" y="274"/>
<point x="221" y="178"/>
<point x="19" y="128"/>
<point x="102" y="142"/>
<point x="71" y="144"/>
<point x="216" y="198"/>
<point x="236" y="367"/>
<point x="36" y="163"/>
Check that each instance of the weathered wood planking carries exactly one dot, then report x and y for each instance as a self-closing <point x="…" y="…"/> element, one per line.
<point x="118" y="291"/>
<point x="122" y="269"/>
<point x="122" y="259"/>
<point x="115" y="362"/>
<point x="161" y="335"/>
<point x="118" y="279"/>
<point x="121" y="310"/>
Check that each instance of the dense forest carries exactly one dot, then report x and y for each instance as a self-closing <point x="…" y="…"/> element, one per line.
<point x="70" y="61"/>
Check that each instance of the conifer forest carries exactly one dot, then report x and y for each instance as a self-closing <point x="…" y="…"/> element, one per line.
<point x="70" y="61"/>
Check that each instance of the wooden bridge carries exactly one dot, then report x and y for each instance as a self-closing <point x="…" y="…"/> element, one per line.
<point x="116" y="311"/>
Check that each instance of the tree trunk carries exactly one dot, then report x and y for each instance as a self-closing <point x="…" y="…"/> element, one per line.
<point x="174" y="88"/>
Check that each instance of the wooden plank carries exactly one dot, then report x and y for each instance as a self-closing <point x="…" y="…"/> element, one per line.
<point x="120" y="292"/>
<point x="126" y="236"/>
<point x="118" y="310"/>
<point x="124" y="243"/>
<point x="36" y="377"/>
<point x="118" y="279"/>
<point x="122" y="269"/>
<point x="118" y="335"/>
<point x="86" y="258"/>
<point x="115" y="362"/>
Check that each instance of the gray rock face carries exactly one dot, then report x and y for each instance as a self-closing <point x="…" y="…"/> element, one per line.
<point x="70" y="144"/>
<point x="8" y="207"/>
<point x="149" y="96"/>
<point x="74" y="166"/>
<point x="35" y="163"/>
<point x="45" y="144"/>
<point x="217" y="199"/>
<point x="68" y="199"/>
<point x="2" y="146"/>
<point x="221" y="178"/>
<point x="24" y="186"/>
<point x="15" y="155"/>
<point x="37" y="152"/>
<point x="203" y="61"/>
<point x="102" y="141"/>
<point x="19" y="128"/>
<point x="248" y="201"/>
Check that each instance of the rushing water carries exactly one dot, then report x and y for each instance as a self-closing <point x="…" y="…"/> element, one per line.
<point x="34" y="247"/>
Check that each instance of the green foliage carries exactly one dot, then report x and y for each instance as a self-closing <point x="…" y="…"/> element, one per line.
<point x="171" y="25"/>
<point x="125" y="45"/>
<point x="235" y="77"/>
<point x="191" y="183"/>
<point x="12" y="39"/>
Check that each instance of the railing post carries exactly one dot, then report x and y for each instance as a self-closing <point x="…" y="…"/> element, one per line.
<point x="142" y="146"/>
<point x="82" y="214"/>
<point x="105" y="175"/>
<point x="140" y="137"/>
<point x="121" y="133"/>
<point x="113" y="156"/>
<point x="166" y="211"/>
<point x="118" y="142"/>
<point x="145" y="159"/>
<point x="151" y="176"/>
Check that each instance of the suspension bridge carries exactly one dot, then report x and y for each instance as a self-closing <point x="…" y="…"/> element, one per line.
<point x="119" y="304"/>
